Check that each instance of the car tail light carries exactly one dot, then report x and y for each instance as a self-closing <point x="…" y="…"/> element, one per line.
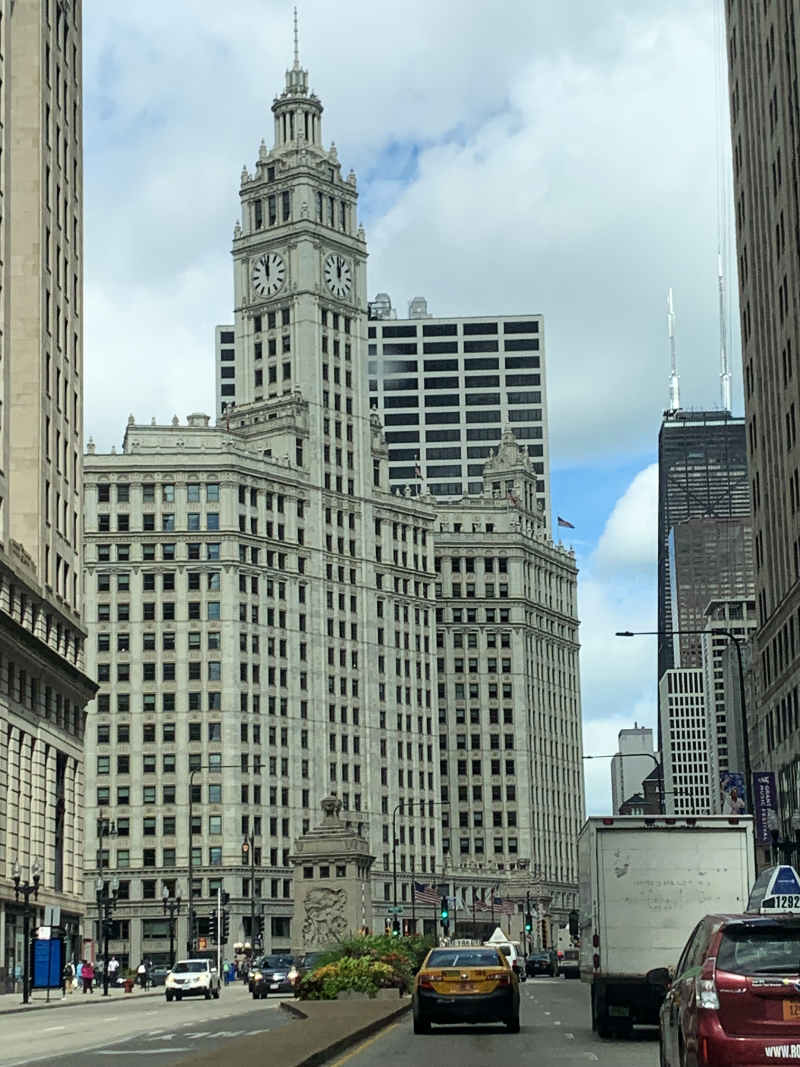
<point x="502" y="978"/>
<point x="706" y="986"/>
<point x="426" y="980"/>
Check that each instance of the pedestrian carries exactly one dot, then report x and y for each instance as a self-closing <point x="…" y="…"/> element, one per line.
<point x="99" y="969"/>
<point x="79" y="973"/>
<point x="67" y="978"/>
<point x="113" y="969"/>
<point x="141" y="974"/>
<point x="87" y="973"/>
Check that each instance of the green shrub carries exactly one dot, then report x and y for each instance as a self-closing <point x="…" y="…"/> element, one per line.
<point x="359" y="974"/>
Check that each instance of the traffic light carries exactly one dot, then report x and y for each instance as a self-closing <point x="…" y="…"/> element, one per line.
<point x="574" y="924"/>
<point x="444" y="913"/>
<point x="212" y="927"/>
<point x="260" y="925"/>
<point x="543" y="931"/>
<point x="528" y="923"/>
<point x="395" y="927"/>
<point x="226" y="927"/>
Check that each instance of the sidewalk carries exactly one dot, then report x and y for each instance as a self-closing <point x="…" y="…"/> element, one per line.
<point x="38" y="999"/>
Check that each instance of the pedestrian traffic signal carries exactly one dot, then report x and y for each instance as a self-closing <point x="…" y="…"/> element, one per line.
<point x="528" y="923"/>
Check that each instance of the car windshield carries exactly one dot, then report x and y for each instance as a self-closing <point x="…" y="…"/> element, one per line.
<point x="189" y="966"/>
<point x="760" y="950"/>
<point x="277" y="963"/>
<point x="464" y="957"/>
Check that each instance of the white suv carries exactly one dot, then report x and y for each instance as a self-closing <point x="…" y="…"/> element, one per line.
<point x="192" y="978"/>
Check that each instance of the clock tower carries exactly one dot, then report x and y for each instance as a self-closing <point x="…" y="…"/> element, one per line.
<point x="300" y="294"/>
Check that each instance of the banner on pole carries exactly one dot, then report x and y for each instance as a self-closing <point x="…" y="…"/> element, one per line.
<point x="765" y="800"/>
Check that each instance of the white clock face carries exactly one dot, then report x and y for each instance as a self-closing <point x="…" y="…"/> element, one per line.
<point x="269" y="274"/>
<point x="338" y="275"/>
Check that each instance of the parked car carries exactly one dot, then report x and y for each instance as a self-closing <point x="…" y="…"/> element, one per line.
<point x="735" y="995"/>
<point x="192" y="978"/>
<point x="158" y="974"/>
<point x="273" y="974"/>
<point x="465" y="985"/>
<point x="540" y="963"/>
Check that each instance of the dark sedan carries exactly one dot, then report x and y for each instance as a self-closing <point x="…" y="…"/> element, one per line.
<point x="272" y="974"/>
<point x="540" y="963"/>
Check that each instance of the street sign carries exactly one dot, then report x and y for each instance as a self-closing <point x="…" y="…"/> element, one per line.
<point x="398" y="910"/>
<point x="43" y="933"/>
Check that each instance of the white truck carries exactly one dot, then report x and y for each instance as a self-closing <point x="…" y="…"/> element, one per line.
<point x="645" y="883"/>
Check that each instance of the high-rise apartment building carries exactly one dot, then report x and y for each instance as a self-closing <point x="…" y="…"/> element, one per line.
<point x="446" y="388"/>
<point x="765" y="116"/>
<point x="508" y="684"/>
<point x="264" y="611"/>
<point x="689" y="788"/>
<point x="43" y="687"/>
<point x="702" y="473"/>
<point x="631" y="765"/>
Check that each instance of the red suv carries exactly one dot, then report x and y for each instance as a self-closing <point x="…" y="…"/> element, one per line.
<point x="735" y="998"/>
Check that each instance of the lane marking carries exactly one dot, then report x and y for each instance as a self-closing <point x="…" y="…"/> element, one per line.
<point x="590" y="1056"/>
<point x="569" y="1035"/>
<point x="112" y="1019"/>
<point x="47" y="1029"/>
<point x="366" y="1044"/>
<point x="556" y="1022"/>
<point x="143" y="1051"/>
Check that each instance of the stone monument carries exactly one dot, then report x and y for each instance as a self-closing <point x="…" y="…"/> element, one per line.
<point x="332" y="895"/>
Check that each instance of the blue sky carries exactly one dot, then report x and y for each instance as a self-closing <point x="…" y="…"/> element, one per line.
<point x="552" y="158"/>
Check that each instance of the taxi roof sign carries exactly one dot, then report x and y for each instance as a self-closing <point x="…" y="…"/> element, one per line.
<point x="783" y="890"/>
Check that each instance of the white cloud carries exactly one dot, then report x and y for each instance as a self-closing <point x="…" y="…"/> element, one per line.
<point x="557" y="157"/>
<point x="617" y="592"/>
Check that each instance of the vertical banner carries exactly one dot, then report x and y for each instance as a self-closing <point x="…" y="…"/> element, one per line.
<point x="734" y="795"/>
<point x="47" y="964"/>
<point x="765" y="800"/>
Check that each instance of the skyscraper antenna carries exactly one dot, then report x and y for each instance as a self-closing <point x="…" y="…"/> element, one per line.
<point x="724" y="369"/>
<point x="674" y="381"/>
<point x="296" y="43"/>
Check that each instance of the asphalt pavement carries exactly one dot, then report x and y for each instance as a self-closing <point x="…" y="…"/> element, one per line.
<point x="147" y="1031"/>
<point x="556" y="1030"/>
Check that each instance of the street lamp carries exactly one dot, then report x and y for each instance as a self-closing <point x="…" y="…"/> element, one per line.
<point x="27" y="890"/>
<point x="249" y="852"/>
<point x="105" y="907"/>
<point x="748" y="775"/>
<point x="650" y="755"/>
<point x="172" y="907"/>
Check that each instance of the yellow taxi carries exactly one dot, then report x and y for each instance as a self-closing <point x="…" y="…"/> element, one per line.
<point x="465" y="985"/>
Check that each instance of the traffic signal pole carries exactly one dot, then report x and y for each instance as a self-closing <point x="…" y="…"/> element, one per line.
<point x="219" y="936"/>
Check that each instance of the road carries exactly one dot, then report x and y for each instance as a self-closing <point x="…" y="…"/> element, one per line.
<point x="146" y="1031"/>
<point x="556" y="1032"/>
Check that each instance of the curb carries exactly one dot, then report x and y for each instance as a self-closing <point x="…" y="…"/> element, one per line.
<point x="62" y="1002"/>
<point x="346" y="1042"/>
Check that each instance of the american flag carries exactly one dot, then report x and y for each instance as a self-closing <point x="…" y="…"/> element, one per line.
<point x="505" y="906"/>
<point x="417" y="469"/>
<point x="481" y="905"/>
<point x="565" y="524"/>
<point x="424" y="894"/>
<point x="513" y="498"/>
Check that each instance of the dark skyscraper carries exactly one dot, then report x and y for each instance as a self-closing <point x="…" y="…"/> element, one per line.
<point x="702" y="473"/>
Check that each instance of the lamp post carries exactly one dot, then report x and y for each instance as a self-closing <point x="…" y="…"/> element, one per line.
<point x="28" y="890"/>
<point x="105" y="908"/>
<point x="748" y="774"/>
<point x="650" y="755"/>
<point x="249" y="851"/>
<point x="172" y="908"/>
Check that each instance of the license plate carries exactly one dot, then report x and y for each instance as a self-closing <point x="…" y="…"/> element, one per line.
<point x="617" y="1010"/>
<point x="275" y="985"/>
<point x="466" y="987"/>
<point x="791" y="1010"/>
